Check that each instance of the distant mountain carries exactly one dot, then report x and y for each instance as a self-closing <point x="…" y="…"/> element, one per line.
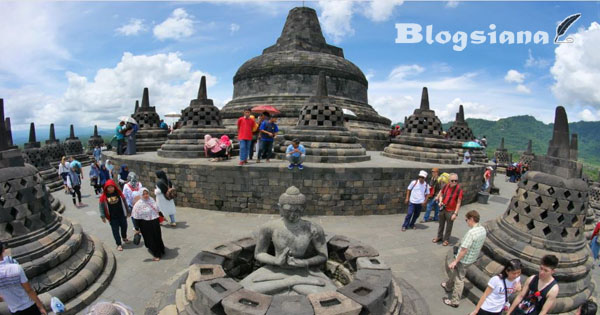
<point x="42" y="134"/>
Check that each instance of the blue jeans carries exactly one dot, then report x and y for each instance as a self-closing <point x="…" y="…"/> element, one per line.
<point x="595" y="247"/>
<point x="436" y="206"/>
<point x="414" y="210"/>
<point x="172" y="217"/>
<point x="244" y="149"/>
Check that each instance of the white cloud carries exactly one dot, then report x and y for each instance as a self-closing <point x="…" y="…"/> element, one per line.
<point x="452" y="3"/>
<point x="576" y="69"/>
<point x="30" y="45"/>
<point x="381" y="10"/>
<point x="112" y="92"/>
<point x="514" y="76"/>
<point x="536" y="62"/>
<point x="335" y="19"/>
<point x="400" y="72"/>
<point x="234" y="28"/>
<point x="179" y="25"/>
<point x="588" y="115"/>
<point x="523" y="89"/>
<point x="134" y="27"/>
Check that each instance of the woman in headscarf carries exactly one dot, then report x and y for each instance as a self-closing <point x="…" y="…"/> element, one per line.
<point x="110" y="167"/>
<point x="123" y="175"/>
<point x="131" y="190"/>
<point x="74" y="184"/>
<point x="213" y="149"/>
<point x="113" y="207"/>
<point x="145" y="213"/>
<point x="166" y="206"/>
<point x="227" y="145"/>
<point x="95" y="177"/>
<point x="103" y="175"/>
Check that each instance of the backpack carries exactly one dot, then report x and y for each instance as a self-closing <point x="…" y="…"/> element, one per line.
<point x="171" y="194"/>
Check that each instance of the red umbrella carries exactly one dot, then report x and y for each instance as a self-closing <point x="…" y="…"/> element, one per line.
<point x="265" y="108"/>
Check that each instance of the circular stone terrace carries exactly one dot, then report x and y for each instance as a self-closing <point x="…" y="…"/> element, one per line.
<point x="377" y="186"/>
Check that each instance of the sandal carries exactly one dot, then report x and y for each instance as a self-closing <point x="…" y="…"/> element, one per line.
<point x="448" y="302"/>
<point x="445" y="243"/>
<point x="435" y="240"/>
<point x="120" y="248"/>
<point x="155" y="259"/>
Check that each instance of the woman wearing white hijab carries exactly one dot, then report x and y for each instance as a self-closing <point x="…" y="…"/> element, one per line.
<point x="145" y="212"/>
<point x="110" y="167"/>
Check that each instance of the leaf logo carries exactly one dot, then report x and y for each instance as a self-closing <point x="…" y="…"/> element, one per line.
<point x="562" y="28"/>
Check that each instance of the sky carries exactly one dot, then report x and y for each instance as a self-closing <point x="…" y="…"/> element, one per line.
<point x="85" y="63"/>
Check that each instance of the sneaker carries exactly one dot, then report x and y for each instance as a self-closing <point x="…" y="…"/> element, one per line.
<point x="241" y="163"/>
<point x="300" y="167"/>
<point x="291" y="167"/>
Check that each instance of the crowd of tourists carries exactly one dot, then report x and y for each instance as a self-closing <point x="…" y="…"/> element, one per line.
<point x="515" y="171"/>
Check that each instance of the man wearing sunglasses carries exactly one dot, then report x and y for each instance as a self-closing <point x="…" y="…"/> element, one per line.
<point x="449" y="199"/>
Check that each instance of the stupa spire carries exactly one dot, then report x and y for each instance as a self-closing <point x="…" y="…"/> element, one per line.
<point x="560" y="145"/>
<point x="137" y="106"/>
<point x="52" y="136"/>
<point x="72" y="132"/>
<point x="8" y="131"/>
<point x="461" y="114"/>
<point x="529" y="147"/>
<point x="502" y="144"/>
<point x="322" y="85"/>
<point x="424" y="99"/>
<point x="4" y="141"/>
<point x="32" y="133"/>
<point x="202" y="95"/>
<point x="145" y="99"/>
<point x="95" y="130"/>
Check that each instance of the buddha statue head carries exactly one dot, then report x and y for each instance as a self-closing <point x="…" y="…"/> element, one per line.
<point x="292" y="204"/>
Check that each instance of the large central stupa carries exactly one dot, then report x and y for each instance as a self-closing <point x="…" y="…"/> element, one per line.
<point x="285" y="76"/>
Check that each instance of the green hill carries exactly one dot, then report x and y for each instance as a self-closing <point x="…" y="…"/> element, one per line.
<point x="518" y="130"/>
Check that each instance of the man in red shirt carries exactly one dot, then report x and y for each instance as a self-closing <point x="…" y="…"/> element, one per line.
<point x="244" y="126"/>
<point x="449" y="198"/>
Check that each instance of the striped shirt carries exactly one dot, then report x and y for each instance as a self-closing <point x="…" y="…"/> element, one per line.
<point x="473" y="242"/>
<point x="11" y="290"/>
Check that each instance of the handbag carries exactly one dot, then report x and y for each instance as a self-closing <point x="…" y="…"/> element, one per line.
<point x="171" y="194"/>
<point x="161" y="217"/>
<point x="137" y="238"/>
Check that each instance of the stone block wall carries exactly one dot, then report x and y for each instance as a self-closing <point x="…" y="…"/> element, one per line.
<point x="331" y="190"/>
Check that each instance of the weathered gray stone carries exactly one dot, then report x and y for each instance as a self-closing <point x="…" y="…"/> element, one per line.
<point x="290" y="304"/>
<point x="149" y="136"/>
<point x="245" y="302"/>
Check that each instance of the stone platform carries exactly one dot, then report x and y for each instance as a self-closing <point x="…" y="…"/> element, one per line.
<point x="377" y="186"/>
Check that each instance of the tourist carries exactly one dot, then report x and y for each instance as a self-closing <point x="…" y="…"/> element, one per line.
<point x="450" y="200"/>
<point x="213" y="149"/>
<point x="594" y="243"/>
<point x="483" y="141"/>
<point x="131" y="190"/>
<point x="418" y="191"/>
<point x="588" y="307"/>
<point x="131" y="131"/>
<point x="113" y="207"/>
<point x="295" y="154"/>
<point x="495" y="297"/>
<point x="163" y="125"/>
<point x="63" y="171"/>
<point x="244" y="128"/>
<point x="434" y="186"/>
<point x="256" y="133"/>
<point x="165" y="201"/>
<point x="145" y="214"/>
<point x="467" y="157"/>
<point x="122" y="179"/>
<point x="16" y="290"/>
<point x="95" y="177"/>
<point x="539" y="291"/>
<point x="120" y="135"/>
<point x="103" y="176"/>
<point x="470" y="247"/>
<point x="74" y="184"/>
<point x="487" y="175"/>
<point x="111" y="168"/>
<point x="268" y="132"/>
<point x="226" y="144"/>
<point x="97" y="153"/>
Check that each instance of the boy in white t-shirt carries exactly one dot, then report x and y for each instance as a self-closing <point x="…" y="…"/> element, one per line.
<point x="417" y="194"/>
<point x="495" y="297"/>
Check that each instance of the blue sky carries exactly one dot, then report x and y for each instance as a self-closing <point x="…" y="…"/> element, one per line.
<point x="87" y="62"/>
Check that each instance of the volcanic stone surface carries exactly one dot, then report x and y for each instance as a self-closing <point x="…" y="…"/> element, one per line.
<point x="421" y="138"/>
<point x="58" y="258"/>
<point x="53" y="149"/>
<point x="149" y="136"/>
<point x="502" y="156"/>
<point x="527" y="157"/>
<point x="545" y="216"/>
<point x="34" y="155"/>
<point x="94" y="140"/>
<point x="286" y="73"/>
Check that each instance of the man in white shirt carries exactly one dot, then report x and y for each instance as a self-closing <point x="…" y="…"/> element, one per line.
<point x="417" y="194"/>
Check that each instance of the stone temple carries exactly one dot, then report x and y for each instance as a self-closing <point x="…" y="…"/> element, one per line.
<point x="58" y="258"/>
<point x="321" y="130"/>
<point x="94" y="140"/>
<point x="545" y="216"/>
<point x="34" y="155"/>
<point x="421" y="138"/>
<point x="53" y="149"/>
<point x="460" y="133"/>
<point x="502" y="156"/>
<point x="200" y="118"/>
<point x="149" y="136"/>
<point x="527" y="157"/>
<point x="286" y="73"/>
<point x="74" y="148"/>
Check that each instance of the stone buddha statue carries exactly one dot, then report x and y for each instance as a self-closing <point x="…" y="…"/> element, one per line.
<point x="300" y="249"/>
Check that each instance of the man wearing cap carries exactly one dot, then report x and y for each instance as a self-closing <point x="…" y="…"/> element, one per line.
<point x="449" y="199"/>
<point x="15" y="289"/>
<point x="434" y="188"/>
<point x="417" y="194"/>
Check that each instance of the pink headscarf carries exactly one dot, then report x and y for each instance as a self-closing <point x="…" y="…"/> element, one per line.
<point x="225" y="140"/>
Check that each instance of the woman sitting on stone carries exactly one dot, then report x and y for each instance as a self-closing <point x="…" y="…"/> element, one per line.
<point x="227" y="146"/>
<point x="300" y="249"/>
<point x="213" y="149"/>
<point x="145" y="213"/>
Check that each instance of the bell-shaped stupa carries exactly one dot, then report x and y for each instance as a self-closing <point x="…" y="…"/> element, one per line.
<point x="545" y="216"/>
<point x="149" y="136"/>
<point x="322" y="132"/>
<point x="74" y="148"/>
<point x="527" y="157"/>
<point x="94" y="140"/>
<point x="285" y="75"/>
<point x="58" y="258"/>
<point x="503" y="159"/>
<point x="34" y="155"/>
<point x="460" y="133"/>
<point x="421" y="138"/>
<point x="53" y="149"/>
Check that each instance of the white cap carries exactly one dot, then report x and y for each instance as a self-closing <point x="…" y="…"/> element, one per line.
<point x="423" y="174"/>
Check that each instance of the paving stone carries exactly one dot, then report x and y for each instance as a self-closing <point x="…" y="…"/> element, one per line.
<point x="364" y="293"/>
<point x="333" y="303"/>
<point x="290" y="304"/>
<point x="244" y="302"/>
